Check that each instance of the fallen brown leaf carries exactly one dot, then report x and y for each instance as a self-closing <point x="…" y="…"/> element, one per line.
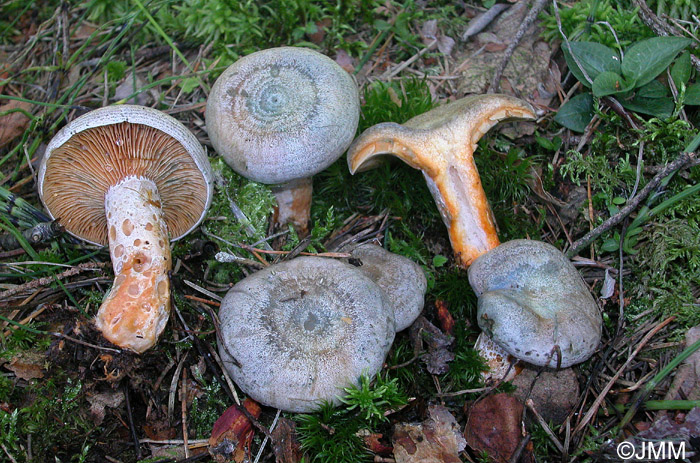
<point x="375" y="445"/>
<point x="27" y="365"/>
<point x="447" y="322"/>
<point x="13" y="125"/>
<point x="555" y="393"/>
<point x="438" y="355"/>
<point x="286" y="445"/>
<point x="232" y="433"/>
<point x="101" y="400"/>
<point x="494" y="426"/>
<point x="435" y="440"/>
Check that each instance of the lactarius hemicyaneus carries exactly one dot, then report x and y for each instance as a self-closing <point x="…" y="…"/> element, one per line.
<point x="441" y="143"/>
<point x="128" y="176"/>
<point x="534" y="304"/>
<point x="280" y="116"/>
<point x="296" y="333"/>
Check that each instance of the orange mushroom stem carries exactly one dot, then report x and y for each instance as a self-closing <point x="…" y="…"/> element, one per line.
<point x="136" y="310"/>
<point x="441" y="144"/>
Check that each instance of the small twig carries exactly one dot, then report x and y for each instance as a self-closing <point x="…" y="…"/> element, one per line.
<point x="465" y="391"/>
<point x="527" y="22"/>
<point x="264" y="442"/>
<point x="391" y="73"/>
<point x="193" y="442"/>
<point x="87" y="344"/>
<point x="7" y="453"/>
<point x="50" y="279"/>
<point x="183" y="407"/>
<point x="478" y="24"/>
<point x="519" y="449"/>
<point x="599" y="400"/>
<point x="660" y="27"/>
<point x="631" y="205"/>
<point x="203" y="291"/>
<point x="531" y="405"/>
<point x="130" y="417"/>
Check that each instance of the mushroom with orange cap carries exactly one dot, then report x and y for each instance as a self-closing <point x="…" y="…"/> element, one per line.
<point x="128" y="176"/>
<point x="280" y="116"/>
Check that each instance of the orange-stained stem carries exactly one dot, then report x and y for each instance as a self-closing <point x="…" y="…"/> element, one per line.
<point x="465" y="210"/>
<point x="294" y="204"/>
<point x="136" y="309"/>
<point x="441" y="143"/>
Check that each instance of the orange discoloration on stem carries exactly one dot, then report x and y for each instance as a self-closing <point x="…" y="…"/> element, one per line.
<point x="441" y="144"/>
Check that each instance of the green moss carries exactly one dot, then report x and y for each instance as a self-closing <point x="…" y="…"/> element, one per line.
<point x="255" y="201"/>
<point x="331" y="434"/>
<point x="621" y="16"/>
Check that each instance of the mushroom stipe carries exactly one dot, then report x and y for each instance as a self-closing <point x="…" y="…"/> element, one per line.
<point x="128" y="176"/>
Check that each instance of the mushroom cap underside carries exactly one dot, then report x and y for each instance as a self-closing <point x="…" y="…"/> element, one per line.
<point x="282" y="114"/>
<point x="303" y="330"/>
<point x="101" y="148"/>
<point x="534" y="304"/>
<point x="427" y="141"/>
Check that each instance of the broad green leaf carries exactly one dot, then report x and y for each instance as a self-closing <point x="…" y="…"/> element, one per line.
<point x="594" y="58"/>
<point x="576" y="113"/>
<point x="658" y="107"/>
<point x="680" y="72"/>
<point x="648" y="58"/>
<point x="653" y="89"/>
<point x="610" y="245"/>
<point x="610" y="83"/>
<point x="188" y="84"/>
<point x="692" y="94"/>
<point x="439" y="261"/>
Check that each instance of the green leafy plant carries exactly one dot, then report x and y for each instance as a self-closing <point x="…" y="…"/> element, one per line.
<point x="372" y="402"/>
<point x="608" y="22"/>
<point x="332" y="434"/>
<point x="630" y="78"/>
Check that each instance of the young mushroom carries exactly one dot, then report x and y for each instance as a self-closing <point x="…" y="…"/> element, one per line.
<point x="534" y="304"/>
<point x="296" y="333"/>
<point x="128" y="176"/>
<point x="281" y="115"/>
<point x="401" y="279"/>
<point x="441" y="144"/>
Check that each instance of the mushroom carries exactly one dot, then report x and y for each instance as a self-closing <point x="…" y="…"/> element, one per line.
<point x="128" y="176"/>
<point x="534" y="304"/>
<point x="441" y="143"/>
<point x="296" y="333"/>
<point x="401" y="279"/>
<point x="281" y="115"/>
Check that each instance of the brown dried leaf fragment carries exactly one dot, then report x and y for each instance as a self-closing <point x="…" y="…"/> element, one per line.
<point x="447" y="322"/>
<point x="494" y="426"/>
<point x="435" y="440"/>
<point x="286" y="445"/>
<point x="12" y="125"/>
<point x="232" y="433"/>
<point x="27" y="365"/>
<point x="438" y="354"/>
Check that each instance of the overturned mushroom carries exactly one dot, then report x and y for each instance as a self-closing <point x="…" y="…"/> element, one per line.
<point x="534" y="304"/>
<point x="128" y="176"/>
<point x="281" y="115"/>
<point x="441" y="144"/>
<point x="298" y="332"/>
<point x="401" y="279"/>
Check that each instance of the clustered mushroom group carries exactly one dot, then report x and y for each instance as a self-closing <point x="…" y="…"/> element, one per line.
<point x="298" y="332"/>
